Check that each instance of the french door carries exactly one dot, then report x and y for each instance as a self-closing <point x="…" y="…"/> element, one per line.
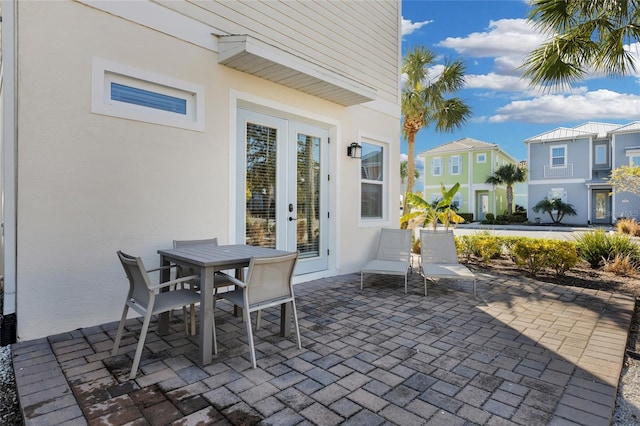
<point x="282" y="177"/>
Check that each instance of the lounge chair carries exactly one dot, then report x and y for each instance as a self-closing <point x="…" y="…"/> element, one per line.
<point x="392" y="257"/>
<point x="439" y="259"/>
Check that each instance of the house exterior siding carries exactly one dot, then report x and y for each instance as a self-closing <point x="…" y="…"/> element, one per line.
<point x="89" y="184"/>
<point x="592" y="150"/>
<point x="475" y="161"/>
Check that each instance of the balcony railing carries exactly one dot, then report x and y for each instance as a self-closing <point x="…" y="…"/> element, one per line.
<point x="558" y="171"/>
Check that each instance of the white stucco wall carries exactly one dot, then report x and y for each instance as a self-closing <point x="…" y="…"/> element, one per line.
<point x="90" y="184"/>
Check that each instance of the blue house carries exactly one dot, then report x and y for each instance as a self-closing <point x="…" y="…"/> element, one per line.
<point x="573" y="164"/>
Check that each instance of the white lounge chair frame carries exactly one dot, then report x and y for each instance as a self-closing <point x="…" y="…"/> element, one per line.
<point x="392" y="257"/>
<point x="439" y="259"/>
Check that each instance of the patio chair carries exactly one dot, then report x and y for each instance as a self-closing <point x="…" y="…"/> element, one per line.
<point x="143" y="299"/>
<point x="392" y="257"/>
<point x="439" y="259"/>
<point x="220" y="279"/>
<point x="268" y="284"/>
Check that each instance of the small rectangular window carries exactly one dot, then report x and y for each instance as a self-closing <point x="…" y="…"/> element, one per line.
<point x="122" y="91"/>
<point x="147" y="98"/>
<point x="558" y="156"/>
<point x="436" y="166"/>
<point x="601" y="154"/>
<point x="481" y="158"/>
<point x="456" y="165"/>
<point x="372" y="184"/>
<point x="634" y="160"/>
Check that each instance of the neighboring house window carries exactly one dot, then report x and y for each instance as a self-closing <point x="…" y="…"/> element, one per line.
<point x="457" y="200"/>
<point x="557" y="193"/>
<point x="436" y="166"/>
<point x="601" y="154"/>
<point x="634" y="156"/>
<point x="435" y="197"/>
<point x="455" y="165"/>
<point x="481" y="158"/>
<point x="122" y="91"/>
<point x="372" y="181"/>
<point x="558" y="156"/>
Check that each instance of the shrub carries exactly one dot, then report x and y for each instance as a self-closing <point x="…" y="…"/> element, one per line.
<point x="482" y="245"/>
<point x="598" y="247"/>
<point x="561" y="255"/>
<point x="621" y="265"/>
<point x="628" y="226"/>
<point x="490" y="217"/>
<point x="468" y="217"/>
<point x="517" y="218"/>
<point x="531" y="253"/>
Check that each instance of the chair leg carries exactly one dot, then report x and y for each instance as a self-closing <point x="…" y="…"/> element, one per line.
<point x="185" y="319"/>
<point x="247" y="319"/>
<point x="213" y="318"/>
<point x="192" y="310"/>
<point x="139" y="349"/>
<point x="361" y="279"/>
<point x="425" y="286"/>
<point x="295" y="321"/>
<point x="116" y="343"/>
<point x="258" y="320"/>
<point x="405" y="283"/>
<point x="474" y="288"/>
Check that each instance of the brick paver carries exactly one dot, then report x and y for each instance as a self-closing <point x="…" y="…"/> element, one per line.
<point x="524" y="353"/>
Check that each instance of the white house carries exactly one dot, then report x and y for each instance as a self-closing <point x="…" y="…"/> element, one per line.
<point x="128" y="124"/>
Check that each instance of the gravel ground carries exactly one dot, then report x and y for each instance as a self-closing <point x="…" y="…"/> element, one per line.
<point x="9" y="405"/>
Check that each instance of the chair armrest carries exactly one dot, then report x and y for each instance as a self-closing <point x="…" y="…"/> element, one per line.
<point x="236" y="281"/>
<point x="162" y="268"/>
<point x="174" y="282"/>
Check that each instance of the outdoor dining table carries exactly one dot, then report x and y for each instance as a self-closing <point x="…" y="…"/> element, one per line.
<point x="208" y="259"/>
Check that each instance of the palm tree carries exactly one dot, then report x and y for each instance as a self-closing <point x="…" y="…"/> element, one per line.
<point x="508" y="174"/>
<point x="425" y="102"/>
<point x="585" y="35"/>
<point x="404" y="172"/>
<point x="556" y="205"/>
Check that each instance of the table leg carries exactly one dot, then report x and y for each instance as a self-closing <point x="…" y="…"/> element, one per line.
<point x="237" y="311"/>
<point x="285" y="319"/>
<point x="165" y="275"/>
<point x="206" y="315"/>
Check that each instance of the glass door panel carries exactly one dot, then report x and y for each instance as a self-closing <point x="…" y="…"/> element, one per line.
<point x="308" y="196"/>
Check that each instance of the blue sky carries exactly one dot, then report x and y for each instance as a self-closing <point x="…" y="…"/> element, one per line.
<point x="492" y="37"/>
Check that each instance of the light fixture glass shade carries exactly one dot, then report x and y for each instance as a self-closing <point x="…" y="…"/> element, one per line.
<point x="354" y="150"/>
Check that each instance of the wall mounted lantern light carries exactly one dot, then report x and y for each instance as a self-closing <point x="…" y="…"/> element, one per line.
<point x="354" y="150"/>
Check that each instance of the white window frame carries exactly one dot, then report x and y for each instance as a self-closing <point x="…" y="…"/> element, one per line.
<point x="384" y="183"/>
<point x="551" y="157"/>
<point x="481" y="158"/>
<point x="453" y="160"/>
<point x="436" y="162"/>
<point x="458" y="200"/>
<point x="595" y="154"/>
<point x="634" y="156"/>
<point x="105" y="72"/>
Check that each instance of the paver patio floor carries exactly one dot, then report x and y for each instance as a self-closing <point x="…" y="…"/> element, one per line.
<point x="524" y="353"/>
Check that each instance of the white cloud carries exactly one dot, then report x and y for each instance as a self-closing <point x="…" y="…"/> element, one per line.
<point x="504" y="37"/>
<point x="496" y="82"/>
<point x="599" y="104"/>
<point x="408" y="27"/>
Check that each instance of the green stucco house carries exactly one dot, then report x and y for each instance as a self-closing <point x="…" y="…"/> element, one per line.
<point x="469" y="162"/>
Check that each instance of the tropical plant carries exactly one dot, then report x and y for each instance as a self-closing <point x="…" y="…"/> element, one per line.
<point x="599" y="248"/>
<point x="404" y="172"/>
<point x="427" y="213"/>
<point x="556" y="208"/>
<point x="508" y="174"/>
<point x="625" y="178"/>
<point x="425" y="99"/>
<point x="584" y="36"/>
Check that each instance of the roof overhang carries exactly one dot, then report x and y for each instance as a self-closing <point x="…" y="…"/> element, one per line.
<point x="253" y="56"/>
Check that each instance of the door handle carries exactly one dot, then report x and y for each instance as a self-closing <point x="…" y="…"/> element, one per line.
<point x="292" y="218"/>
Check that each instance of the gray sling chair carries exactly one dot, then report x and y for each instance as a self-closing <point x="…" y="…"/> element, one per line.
<point x="439" y="259"/>
<point x="393" y="255"/>
<point x="144" y="299"/>
<point x="220" y="279"/>
<point x="268" y="284"/>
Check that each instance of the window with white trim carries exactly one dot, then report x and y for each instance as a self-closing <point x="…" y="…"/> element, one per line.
<point x="558" y="155"/>
<point x="481" y="158"/>
<point x="455" y="165"/>
<point x="122" y="91"/>
<point x="436" y="166"/>
<point x="600" y="154"/>
<point x="373" y="181"/>
<point x="457" y="201"/>
<point x="634" y="156"/>
<point x="557" y="193"/>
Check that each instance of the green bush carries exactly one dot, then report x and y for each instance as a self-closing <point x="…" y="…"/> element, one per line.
<point x="599" y="248"/>
<point x="561" y="255"/>
<point x="490" y="217"/>
<point x="468" y="217"/>
<point x="530" y="253"/>
<point x="482" y="245"/>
